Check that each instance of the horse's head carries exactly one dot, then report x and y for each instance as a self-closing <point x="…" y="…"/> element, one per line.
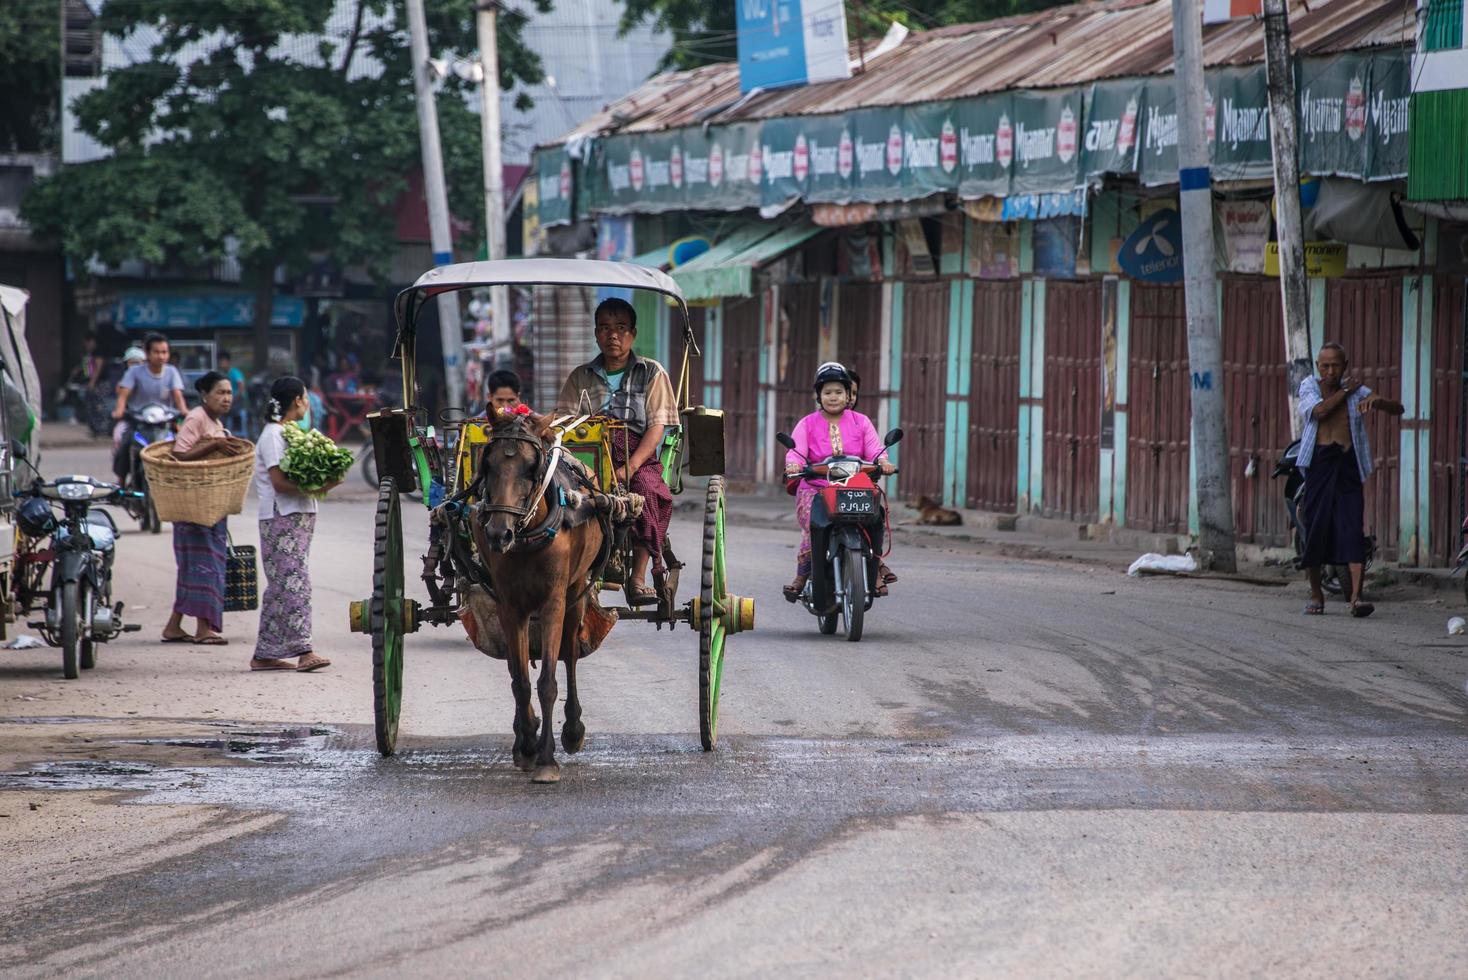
<point x="511" y="469"/>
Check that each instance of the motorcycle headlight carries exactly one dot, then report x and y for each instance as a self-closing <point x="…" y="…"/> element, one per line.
<point x="844" y="470"/>
<point x="155" y="414"/>
<point x="74" y="491"/>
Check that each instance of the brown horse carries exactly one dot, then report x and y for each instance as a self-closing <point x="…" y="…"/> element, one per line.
<point x="539" y="562"/>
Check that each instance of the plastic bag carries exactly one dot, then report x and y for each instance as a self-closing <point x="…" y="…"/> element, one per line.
<point x="1153" y="562"/>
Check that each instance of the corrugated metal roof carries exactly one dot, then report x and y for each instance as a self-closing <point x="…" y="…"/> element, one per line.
<point x="1062" y="46"/>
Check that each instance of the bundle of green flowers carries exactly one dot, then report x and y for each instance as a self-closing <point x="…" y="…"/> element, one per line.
<point x="313" y="461"/>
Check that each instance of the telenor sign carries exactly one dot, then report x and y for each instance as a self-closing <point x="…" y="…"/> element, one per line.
<point x="790" y="42"/>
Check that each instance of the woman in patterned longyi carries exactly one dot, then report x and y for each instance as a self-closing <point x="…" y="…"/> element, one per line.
<point x="287" y="521"/>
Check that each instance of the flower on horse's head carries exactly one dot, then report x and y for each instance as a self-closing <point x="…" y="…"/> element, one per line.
<point x="520" y="409"/>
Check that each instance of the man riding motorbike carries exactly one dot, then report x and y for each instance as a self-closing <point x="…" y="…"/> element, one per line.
<point x="636" y="391"/>
<point x="832" y="430"/>
<point x="154" y="381"/>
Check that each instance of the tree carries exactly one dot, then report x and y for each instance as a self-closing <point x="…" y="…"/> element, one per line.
<point x="704" y="33"/>
<point x="30" y="76"/>
<point x="266" y="146"/>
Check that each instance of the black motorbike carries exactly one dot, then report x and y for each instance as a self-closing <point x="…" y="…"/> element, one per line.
<point x="848" y="525"/>
<point x="79" y="611"/>
<point x="1334" y="579"/>
<point x="146" y="425"/>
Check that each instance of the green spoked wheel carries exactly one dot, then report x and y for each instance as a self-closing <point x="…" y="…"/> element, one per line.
<point x="712" y="630"/>
<point x="387" y="617"/>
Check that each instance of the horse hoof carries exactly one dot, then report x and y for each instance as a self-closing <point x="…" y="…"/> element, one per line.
<point x="524" y="762"/>
<point x="547" y="774"/>
<point x="572" y="738"/>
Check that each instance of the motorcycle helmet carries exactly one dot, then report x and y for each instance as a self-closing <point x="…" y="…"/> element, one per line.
<point x="832" y="371"/>
<point x="36" y="518"/>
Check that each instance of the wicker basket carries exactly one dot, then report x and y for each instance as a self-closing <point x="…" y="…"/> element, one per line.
<point x="204" y="491"/>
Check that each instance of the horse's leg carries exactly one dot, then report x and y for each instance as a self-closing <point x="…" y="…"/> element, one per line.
<point x="573" y="732"/>
<point x="552" y="618"/>
<point x="517" y="634"/>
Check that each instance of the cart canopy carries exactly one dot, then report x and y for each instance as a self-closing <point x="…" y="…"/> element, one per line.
<point x="529" y="272"/>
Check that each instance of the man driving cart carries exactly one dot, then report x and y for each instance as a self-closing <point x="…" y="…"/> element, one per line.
<point x="635" y="391"/>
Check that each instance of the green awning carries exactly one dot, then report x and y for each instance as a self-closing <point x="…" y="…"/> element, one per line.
<point x="727" y="269"/>
<point x="656" y="259"/>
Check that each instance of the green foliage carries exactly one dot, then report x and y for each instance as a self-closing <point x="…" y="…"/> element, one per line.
<point x="285" y="152"/>
<point x="703" y="33"/>
<point x="312" y="460"/>
<point x="30" y="76"/>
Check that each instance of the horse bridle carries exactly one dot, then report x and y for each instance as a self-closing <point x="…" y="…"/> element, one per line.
<point x="546" y="464"/>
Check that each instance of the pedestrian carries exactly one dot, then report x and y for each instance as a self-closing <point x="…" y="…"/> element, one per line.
<point x="239" y="415"/>
<point x="199" y="550"/>
<point x="1335" y="457"/>
<point x="153" y="382"/>
<point x="287" y="521"/>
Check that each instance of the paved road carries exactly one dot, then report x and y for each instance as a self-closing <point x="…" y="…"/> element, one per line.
<point x="1025" y="766"/>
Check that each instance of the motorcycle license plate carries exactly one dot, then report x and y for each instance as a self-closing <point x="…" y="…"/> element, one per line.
<point x="855" y="502"/>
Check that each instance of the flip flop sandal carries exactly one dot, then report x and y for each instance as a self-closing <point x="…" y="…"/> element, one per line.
<point x="1314" y="609"/>
<point x="312" y="662"/>
<point x="211" y="641"/>
<point x="888" y="576"/>
<point x="642" y="597"/>
<point x="182" y="638"/>
<point x="1362" y="609"/>
<point x="256" y="663"/>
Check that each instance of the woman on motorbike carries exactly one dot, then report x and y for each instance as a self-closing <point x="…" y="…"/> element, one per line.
<point x="832" y="430"/>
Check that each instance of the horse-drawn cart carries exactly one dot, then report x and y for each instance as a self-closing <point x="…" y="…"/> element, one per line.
<point x="446" y="462"/>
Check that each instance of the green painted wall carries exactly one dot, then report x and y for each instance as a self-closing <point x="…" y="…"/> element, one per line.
<point x="1437" y="126"/>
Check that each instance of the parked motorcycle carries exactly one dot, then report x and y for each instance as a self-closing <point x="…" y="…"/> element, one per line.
<point x="1335" y="579"/>
<point x="147" y="425"/>
<point x="848" y="525"/>
<point x="79" y="611"/>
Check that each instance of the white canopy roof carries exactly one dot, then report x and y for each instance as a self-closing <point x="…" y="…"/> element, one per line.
<point x="530" y="272"/>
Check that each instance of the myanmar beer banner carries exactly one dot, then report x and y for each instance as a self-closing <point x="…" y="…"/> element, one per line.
<point x="1353" y="122"/>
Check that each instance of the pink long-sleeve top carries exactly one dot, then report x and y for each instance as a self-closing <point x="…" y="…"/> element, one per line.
<point x="816" y="438"/>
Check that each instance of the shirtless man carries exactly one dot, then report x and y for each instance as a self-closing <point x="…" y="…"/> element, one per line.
<point x="1335" y="457"/>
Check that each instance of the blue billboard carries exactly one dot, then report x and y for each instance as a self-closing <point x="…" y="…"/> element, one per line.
<point x="783" y="42"/>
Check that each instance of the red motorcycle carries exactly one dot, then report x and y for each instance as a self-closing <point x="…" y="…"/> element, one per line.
<point x="848" y="526"/>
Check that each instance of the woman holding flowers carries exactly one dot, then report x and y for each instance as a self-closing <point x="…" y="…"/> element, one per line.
<point x="287" y="521"/>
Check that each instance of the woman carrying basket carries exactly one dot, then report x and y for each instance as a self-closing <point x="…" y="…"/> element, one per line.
<point x="200" y="550"/>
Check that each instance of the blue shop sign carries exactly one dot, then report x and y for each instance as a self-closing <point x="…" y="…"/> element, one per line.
<point x="149" y="311"/>
<point x="1154" y="252"/>
<point x="790" y="42"/>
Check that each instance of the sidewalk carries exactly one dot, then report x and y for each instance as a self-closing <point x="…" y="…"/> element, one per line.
<point x="1047" y="539"/>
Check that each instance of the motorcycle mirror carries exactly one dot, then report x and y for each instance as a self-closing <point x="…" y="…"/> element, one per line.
<point x="893" y="438"/>
<point x="784" y="439"/>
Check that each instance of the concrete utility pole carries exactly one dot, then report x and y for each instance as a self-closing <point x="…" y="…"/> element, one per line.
<point x="1205" y="356"/>
<point x="438" y="203"/>
<point x="1284" y="139"/>
<point x="485" y="21"/>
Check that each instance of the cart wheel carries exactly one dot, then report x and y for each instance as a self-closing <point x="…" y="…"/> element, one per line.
<point x="713" y="593"/>
<point x="386" y="617"/>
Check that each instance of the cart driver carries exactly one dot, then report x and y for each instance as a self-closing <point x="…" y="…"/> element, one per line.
<point x="636" y="391"/>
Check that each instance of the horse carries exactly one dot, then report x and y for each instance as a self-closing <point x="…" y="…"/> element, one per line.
<point x="540" y="559"/>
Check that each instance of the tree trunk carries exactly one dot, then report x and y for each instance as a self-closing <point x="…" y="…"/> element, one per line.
<point x="263" y="275"/>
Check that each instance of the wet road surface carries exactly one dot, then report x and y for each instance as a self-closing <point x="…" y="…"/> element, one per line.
<point x="1025" y="766"/>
